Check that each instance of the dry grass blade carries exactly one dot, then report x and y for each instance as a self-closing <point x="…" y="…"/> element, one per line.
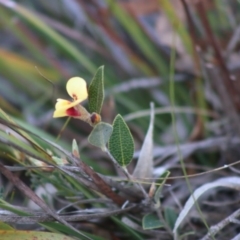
<point x="144" y="167"/>
<point x="31" y="195"/>
<point x="42" y="217"/>
<point x="230" y="182"/>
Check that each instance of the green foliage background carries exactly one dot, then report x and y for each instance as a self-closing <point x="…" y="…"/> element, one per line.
<point x="44" y="43"/>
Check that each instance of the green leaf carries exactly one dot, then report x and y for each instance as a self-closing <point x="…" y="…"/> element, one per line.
<point x="100" y="135"/>
<point x="121" y="144"/>
<point x="170" y="216"/>
<point x="96" y="92"/>
<point x="151" y="221"/>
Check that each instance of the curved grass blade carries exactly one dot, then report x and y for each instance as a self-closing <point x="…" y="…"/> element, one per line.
<point x="151" y="221"/>
<point x="229" y="182"/>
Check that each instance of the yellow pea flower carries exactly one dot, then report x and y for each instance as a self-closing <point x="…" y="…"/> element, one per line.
<point x="77" y="90"/>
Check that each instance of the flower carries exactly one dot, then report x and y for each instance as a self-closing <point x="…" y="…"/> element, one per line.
<point x="77" y="89"/>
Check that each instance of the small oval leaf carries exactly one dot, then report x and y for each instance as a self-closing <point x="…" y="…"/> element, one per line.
<point x="151" y="221"/>
<point x="121" y="144"/>
<point x="100" y="135"/>
<point x="170" y="216"/>
<point x="96" y="92"/>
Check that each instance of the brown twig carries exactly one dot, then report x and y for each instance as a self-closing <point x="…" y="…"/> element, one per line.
<point x="223" y="82"/>
<point x="219" y="61"/>
<point x="232" y="103"/>
<point x="103" y="186"/>
<point x="198" y="130"/>
<point x="193" y="34"/>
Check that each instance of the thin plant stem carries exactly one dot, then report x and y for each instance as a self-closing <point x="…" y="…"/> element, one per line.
<point x="175" y="132"/>
<point x="128" y="175"/>
<point x="62" y="129"/>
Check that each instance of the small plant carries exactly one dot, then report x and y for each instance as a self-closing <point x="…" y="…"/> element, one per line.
<point x="113" y="139"/>
<point x="124" y="171"/>
<point x="117" y="136"/>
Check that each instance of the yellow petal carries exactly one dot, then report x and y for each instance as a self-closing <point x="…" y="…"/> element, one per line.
<point x="65" y="104"/>
<point x="62" y="106"/>
<point x="77" y="88"/>
<point x="60" y="113"/>
<point x="61" y="103"/>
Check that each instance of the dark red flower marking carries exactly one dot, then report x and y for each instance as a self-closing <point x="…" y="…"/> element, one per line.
<point x="74" y="96"/>
<point x="72" y="112"/>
